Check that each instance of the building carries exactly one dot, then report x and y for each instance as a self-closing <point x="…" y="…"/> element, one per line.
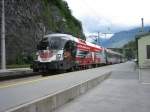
<point x="143" y="45"/>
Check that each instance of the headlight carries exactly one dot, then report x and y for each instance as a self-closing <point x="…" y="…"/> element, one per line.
<point x="36" y="55"/>
<point x="58" y="56"/>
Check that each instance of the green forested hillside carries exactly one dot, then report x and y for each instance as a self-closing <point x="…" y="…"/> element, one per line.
<point x="26" y="21"/>
<point x="130" y="50"/>
<point x="60" y="18"/>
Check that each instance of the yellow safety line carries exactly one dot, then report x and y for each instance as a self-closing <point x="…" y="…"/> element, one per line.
<point x="27" y="82"/>
<point x="20" y="83"/>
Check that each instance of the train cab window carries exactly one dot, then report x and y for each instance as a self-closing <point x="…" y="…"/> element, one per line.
<point x="56" y="43"/>
<point x="70" y="47"/>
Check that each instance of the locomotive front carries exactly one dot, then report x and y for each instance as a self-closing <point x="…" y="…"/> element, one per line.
<point x="52" y="53"/>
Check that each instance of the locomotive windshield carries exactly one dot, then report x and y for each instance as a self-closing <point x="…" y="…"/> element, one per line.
<point x="55" y="43"/>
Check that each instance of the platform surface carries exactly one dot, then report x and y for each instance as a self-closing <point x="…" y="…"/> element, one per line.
<point x="14" y="95"/>
<point x="123" y="91"/>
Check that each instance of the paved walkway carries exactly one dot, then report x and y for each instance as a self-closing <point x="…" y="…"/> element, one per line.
<point x="144" y="75"/>
<point x="122" y="92"/>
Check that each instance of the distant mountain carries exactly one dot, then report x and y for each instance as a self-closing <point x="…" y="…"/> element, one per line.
<point x="95" y="40"/>
<point x="121" y="38"/>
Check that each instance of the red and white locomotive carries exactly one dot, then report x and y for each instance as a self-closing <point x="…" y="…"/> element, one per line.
<point x="65" y="52"/>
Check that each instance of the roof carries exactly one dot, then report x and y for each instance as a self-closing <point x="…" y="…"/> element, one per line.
<point x="141" y="35"/>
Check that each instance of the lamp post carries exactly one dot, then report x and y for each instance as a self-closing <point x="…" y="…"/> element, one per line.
<point x="3" y="52"/>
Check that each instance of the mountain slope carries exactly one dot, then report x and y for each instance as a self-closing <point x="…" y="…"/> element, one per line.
<point x="121" y="38"/>
<point x="25" y="23"/>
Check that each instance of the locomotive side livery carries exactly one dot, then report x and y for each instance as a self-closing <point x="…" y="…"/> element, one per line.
<point x="65" y="52"/>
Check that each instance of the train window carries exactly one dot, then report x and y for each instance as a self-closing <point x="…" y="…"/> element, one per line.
<point x="109" y="54"/>
<point x="74" y="49"/>
<point x="56" y="43"/>
<point x="148" y="51"/>
<point x="82" y="54"/>
<point x="101" y="53"/>
<point x="98" y="54"/>
<point x="89" y="55"/>
<point x="70" y="46"/>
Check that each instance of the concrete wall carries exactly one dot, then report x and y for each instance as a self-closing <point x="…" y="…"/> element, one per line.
<point x="51" y="102"/>
<point x="142" y="51"/>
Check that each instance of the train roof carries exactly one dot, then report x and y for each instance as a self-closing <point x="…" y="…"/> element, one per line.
<point x="78" y="40"/>
<point x="67" y="36"/>
<point x="113" y="52"/>
<point x="70" y="37"/>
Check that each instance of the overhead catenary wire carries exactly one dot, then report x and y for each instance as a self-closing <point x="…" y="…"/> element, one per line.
<point x="94" y="12"/>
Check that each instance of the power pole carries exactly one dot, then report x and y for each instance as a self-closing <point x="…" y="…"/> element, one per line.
<point x="3" y="52"/>
<point x="98" y="39"/>
<point x="142" y="20"/>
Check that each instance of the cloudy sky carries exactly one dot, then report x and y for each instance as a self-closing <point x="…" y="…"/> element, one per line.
<point x="110" y="15"/>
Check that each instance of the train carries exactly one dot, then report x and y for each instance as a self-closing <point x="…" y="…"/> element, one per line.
<point x="64" y="52"/>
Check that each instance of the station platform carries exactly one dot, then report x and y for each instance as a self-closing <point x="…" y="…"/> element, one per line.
<point x="126" y="90"/>
<point x="47" y="93"/>
<point x="119" y="87"/>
